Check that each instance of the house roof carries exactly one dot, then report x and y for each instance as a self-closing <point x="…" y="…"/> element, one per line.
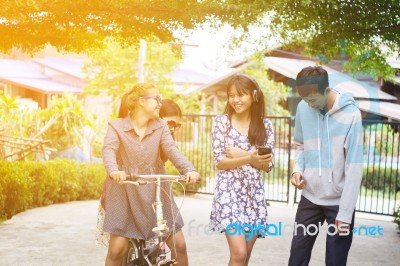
<point x="188" y="76"/>
<point x="18" y="68"/>
<point x="28" y="73"/>
<point x="69" y="66"/>
<point x="73" y="67"/>
<point x="386" y="109"/>
<point x="46" y="86"/>
<point x="24" y="73"/>
<point x="340" y="81"/>
<point x="218" y="85"/>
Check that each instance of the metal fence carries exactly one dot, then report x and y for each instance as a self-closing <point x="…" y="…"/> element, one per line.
<point x="380" y="189"/>
<point x="194" y="140"/>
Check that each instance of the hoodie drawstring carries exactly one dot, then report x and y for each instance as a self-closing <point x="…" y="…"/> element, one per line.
<point x="329" y="148"/>
<point x="319" y="149"/>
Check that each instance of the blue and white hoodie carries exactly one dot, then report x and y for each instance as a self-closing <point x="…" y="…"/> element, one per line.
<point x="329" y="154"/>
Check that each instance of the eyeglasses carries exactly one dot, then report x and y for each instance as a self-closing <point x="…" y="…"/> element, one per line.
<point x="158" y="98"/>
<point x="173" y="125"/>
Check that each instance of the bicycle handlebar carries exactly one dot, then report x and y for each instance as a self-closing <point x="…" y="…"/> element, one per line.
<point x="150" y="178"/>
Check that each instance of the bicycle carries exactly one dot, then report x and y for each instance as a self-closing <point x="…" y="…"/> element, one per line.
<point x="151" y="252"/>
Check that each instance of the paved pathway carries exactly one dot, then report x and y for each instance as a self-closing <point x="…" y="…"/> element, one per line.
<point x="63" y="234"/>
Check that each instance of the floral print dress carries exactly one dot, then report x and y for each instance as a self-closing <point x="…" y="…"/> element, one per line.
<point x="239" y="195"/>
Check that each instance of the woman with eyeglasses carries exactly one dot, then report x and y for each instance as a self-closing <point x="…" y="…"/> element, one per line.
<point x="171" y="113"/>
<point x="133" y="142"/>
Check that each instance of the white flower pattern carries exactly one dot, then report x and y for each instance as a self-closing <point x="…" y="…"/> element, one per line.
<point x="239" y="193"/>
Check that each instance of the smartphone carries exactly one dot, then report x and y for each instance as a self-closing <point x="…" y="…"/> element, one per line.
<point x="264" y="150"/>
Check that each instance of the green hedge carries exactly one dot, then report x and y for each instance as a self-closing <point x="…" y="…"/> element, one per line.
<point x="25" y="185"/>
<point x="379" y="178"/>
<point x="396" y="216"/>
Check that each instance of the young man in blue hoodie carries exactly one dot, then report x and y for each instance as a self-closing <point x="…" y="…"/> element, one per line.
<point x="328" y="167"/>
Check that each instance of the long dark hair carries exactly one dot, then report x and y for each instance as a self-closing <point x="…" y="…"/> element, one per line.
<point x="245" y="84"/>
<point x="169" y="108"/>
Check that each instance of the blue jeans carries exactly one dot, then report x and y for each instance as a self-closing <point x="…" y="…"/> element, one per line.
<point x="337" y="247"/>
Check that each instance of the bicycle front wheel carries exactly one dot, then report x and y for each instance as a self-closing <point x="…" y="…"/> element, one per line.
<point x="165" y="263"/>
<point x="133" y="257"/>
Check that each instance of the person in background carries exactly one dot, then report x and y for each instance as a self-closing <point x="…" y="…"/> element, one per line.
<point x="239" y="196"/>
<point x="328" y="166"/>
<point x="171" y="113"/>
<point x="133" y="142"/>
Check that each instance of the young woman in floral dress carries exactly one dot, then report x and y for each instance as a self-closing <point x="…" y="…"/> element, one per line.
<point x="239" y="198"/>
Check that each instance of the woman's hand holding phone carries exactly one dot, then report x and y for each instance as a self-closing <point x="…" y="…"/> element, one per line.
<point x="264" y="150"/>
<point x="262" y="161"/>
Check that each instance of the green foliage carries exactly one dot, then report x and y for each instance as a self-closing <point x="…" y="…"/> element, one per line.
<point x="176" y="188"/>
<point x="42" y="181"/>
<point x="15" y="188"/>
<point x="368" y="59"/>
<point x="97" y="147"/>
<point x="189" y="104"/>
<point x="16" y="118"/>
<point x="113" y="69"/>
<point x="320" y="26"/>
<point x="68" y="121"/>
<point x="194" y="142"/>
<point x="81" y="24"/>
<point x="7" y="104"/>
<point x="26" y="185"/>
<point x="274" y="93"/>
<point x="364" y="32"/>
<point x="383" y="139"/>
<point x="62" y="123"/>
<point x="381" y="178"/>
<point x="396" y="216"/>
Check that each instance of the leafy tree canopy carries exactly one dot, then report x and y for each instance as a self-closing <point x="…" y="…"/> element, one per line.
<point x="113" y="70"/>
<point x="80" y="24"/>
<point x="366" y="32"/>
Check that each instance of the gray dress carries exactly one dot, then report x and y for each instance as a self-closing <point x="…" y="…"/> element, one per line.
<point x="129" y="208"/>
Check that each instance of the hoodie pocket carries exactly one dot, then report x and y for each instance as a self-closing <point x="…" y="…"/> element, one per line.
<point x="311" y="179"/>
<point x="337" y="186"/>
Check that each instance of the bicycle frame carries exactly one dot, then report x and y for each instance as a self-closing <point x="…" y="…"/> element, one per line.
<point x="161" y="227"/>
